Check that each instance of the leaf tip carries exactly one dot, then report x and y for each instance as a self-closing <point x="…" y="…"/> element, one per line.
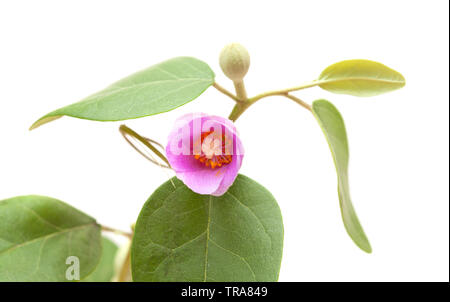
<point x="366" y="247"/>
<point x="43" y="121"/>
<point x="362" y="242"/>
<point x="403" y="79"/>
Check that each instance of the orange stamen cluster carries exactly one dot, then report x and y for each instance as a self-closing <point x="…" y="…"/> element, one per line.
<point x="215" y="160"/>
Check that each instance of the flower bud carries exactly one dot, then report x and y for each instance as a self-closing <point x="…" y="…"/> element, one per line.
<point x="234" y="61"/>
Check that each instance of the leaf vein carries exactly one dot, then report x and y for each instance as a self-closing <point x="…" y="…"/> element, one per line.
<point x="253" y="213"/>
<point x="47" y="236"/>
<point x="240" y="257"/>
<point x="207" y="238"/>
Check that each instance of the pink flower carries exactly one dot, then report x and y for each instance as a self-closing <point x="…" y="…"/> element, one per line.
<point x="205" y="152"/>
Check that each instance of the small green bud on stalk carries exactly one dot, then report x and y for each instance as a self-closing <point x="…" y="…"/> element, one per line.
<point x="234" y="61"/>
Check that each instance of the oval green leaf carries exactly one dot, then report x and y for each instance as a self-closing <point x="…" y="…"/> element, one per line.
<point x="104" y="272"/>
<point x="159" y="88"/>
<point x="360" y="78"/>
<point x="184" y="236"/>
<point x="332" y="124"/>
<point x="38" y="234"/>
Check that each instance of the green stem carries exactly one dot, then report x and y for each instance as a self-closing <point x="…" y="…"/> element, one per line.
<point x="238" y="109"/>
<point x="283" y="91"/>
<point x="224" y="91"/>
<point x="298" y="101"/>
<point x="241" y="93"/>
<point x="244" y="102"/>
<point x="119" y="232"/>
<point x="125" y="270"/>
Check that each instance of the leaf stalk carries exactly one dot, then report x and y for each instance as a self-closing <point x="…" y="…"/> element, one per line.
<point x="115" y="231"/>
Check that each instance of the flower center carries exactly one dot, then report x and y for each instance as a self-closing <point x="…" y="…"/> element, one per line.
<point x="213" y="150"/>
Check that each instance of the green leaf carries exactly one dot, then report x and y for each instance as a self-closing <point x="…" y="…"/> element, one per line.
<point x="38" y="234"/>
<point x="184" y="236"/>
<point x="360" y="78"/>
<point x="332" y="124"/>
<point x="104" y="271"/>
<point x="159" y="88"/>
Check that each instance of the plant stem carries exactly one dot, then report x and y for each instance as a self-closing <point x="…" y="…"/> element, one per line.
<point x="147" y="142"/>
<point x="118" y="232"/>
<point x="241" y="93"/>
<point x="283" y="91"/>
<point x="243" y="101"/>
<point x="298" y="101"/>
<point x="238" y="109"/>
<point x="224" y="91"/>
<point x="125" y="269"/>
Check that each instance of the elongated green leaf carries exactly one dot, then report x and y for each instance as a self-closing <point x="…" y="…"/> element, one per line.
<point x="104" y="271"/>
<point x="38" y="235"/>
<point x="360" y="78"/>
<point x="160" y="88"/>
<point x="184" y="236"/>
<point x="332" y="124"/>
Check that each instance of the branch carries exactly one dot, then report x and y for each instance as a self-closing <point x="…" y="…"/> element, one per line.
<point x="283" y="91"/>
<point x="118" y="232"/>
<point x="226" y="92"/>
<point x="298" y="101"/>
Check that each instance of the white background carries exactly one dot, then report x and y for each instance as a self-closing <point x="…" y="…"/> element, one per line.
<point x="53" y="53"/>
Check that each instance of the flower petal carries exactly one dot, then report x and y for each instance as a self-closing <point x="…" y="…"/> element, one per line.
<point x="230" y="175"/>
<point x="203" y="181"/>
